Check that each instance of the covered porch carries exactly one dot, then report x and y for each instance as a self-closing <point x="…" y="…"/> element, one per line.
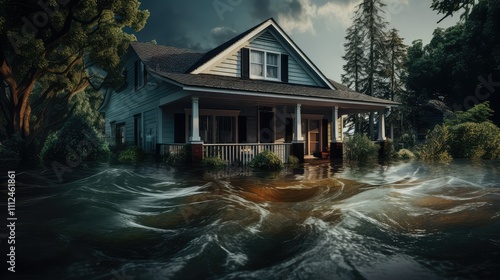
<point x="236" y="127"/>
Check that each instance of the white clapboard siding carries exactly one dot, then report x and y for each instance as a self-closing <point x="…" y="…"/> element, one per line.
<point x="298" y="72"/>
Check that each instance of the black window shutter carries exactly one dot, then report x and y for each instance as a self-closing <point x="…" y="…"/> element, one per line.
<point x="136" y="75"/>
<point x="245" y="63"/>
<point x="145" y="76"/>
<point x="284" y="68"/>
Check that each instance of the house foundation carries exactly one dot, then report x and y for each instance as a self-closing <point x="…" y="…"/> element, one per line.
<point x="196" y="154"/>
<point x="336" y="151"/>
<point x="297" y="150"/>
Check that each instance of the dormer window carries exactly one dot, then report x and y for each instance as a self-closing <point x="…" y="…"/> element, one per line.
<point x="264" y="65"/>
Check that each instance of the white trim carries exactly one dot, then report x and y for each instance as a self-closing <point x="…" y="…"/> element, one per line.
<point x="254" y="33"/>
<point x="297" y="129"/>
<point x="381" y="126"/>
<point x="264" y="66"/>
<point x="284" y="96"/>
<point x="212" y="112"/>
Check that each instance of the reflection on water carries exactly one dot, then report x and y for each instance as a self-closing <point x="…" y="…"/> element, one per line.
<point x="318" y="222"/>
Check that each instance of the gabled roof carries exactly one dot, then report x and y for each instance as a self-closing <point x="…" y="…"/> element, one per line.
<point x="218" y="50"/>
<point x="240" y="40"/>
<point x="182" y="67"/>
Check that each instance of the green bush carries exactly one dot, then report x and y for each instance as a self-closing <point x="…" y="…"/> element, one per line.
<point x="478" y="114"/>
<point x="408" y="140"/>
<point x="293" y="160"/>
<point x="77" y="141"/>
<point x="465" y="140"/>
<point x="213" y="162"/>
<point x="436" y="146"/>
<point x="181" y="158"/>
<point x="266" y="160"/>
<point x="405" y="154"/>
<point x="475" y="141"/>
<point x="132" y="155"/>
<point x="360" y="148"/>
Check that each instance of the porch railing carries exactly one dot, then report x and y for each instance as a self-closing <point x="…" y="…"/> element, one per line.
<point x="231" y="153"/>
<point x="170" y="149"/>
<point x="244" y="153"/>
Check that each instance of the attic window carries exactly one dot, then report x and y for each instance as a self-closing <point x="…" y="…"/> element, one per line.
<point x="264" y="65"/>
<point x="141" y="75"/>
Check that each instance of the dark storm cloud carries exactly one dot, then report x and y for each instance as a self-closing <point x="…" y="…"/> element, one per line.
<point x="177" y="23"/>
<point x="264" y="9"/>
<point x="261" y="10"/>
<point x="221" y="35"/>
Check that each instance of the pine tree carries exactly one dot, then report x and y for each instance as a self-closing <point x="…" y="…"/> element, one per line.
<point x="355" y="74"/>
<point x="396" y="57"/>
<point x="369" y="17"/>
<point x="355" y="67"/>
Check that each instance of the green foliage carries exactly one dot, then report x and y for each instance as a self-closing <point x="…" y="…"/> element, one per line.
<point x="77" y="141"/>
<point x="467" y="135"/>
<point x="475" y="141"/>
<point x="408" y="141"/>
<point x="132" y="155"/>
<point x="293" y="160"/>
<point x="477" y="114"/>
<point x="181" y="158"/>
<point x="86" y="106"/>
<point x="213" y="162"/>
<point x="48" y="63"/>
<point x="405" y="154"/>
<point x="11" y="148"/>
<point x="449" y="7"/>
<point x="454" y="67"/>
<point x="266" y="160"/>
<point x="360" y="148"/>
<point x="436" y="148"/>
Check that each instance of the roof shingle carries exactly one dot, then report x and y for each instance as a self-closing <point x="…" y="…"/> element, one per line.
<point x="175" y="64"/>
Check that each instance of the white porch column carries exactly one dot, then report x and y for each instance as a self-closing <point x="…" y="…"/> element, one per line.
<point x="335" y="124"/>
<point x="298" y="125"/>
<point x="195" y="121"/>
<point x="381" y="126"/>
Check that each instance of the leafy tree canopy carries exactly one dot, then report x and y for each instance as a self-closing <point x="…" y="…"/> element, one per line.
<point x="52" y="50"/>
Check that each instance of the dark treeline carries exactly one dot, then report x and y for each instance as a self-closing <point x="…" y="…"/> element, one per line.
<point x="458" y="69"/>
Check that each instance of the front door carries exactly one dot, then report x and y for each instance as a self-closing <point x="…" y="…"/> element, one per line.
<point x="314" y="136"/>
<point x="312" y="133"/>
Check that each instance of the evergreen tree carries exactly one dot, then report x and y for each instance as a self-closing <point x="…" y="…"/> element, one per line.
<point x="372" y="25"/>
<point x="355" y="67"/>
<point x="396" y="57"/>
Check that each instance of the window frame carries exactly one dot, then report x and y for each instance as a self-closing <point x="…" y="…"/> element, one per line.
<point x="265" y="65"/>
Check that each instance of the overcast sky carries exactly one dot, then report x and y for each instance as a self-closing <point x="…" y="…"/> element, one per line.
<point x="317" y="26"/>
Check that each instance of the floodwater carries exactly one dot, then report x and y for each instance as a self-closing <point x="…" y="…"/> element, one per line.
<point x="404" y="220"/>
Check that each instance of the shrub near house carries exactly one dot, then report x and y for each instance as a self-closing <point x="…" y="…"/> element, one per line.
<point x="77" y="141"/>
<point x="465" y="135"/>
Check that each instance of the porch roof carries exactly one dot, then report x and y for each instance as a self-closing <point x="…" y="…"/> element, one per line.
<point x="207" y="81"/>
